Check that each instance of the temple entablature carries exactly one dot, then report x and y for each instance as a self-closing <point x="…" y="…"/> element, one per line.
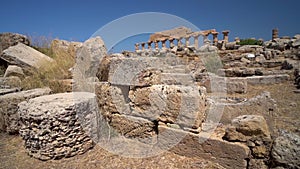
<point x="181" y="37"/>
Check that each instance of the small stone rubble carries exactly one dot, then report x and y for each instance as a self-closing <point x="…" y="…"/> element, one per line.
<point x="286" y="150"/>
<point x="253" y="131"/>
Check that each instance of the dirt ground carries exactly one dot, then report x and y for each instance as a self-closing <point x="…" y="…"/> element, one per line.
<point x="287" y="116"/>
<point x="14" y="156"/>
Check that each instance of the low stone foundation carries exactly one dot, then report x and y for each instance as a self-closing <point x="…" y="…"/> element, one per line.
<point x="9" y="118"/>
<point x="51" y="127"/>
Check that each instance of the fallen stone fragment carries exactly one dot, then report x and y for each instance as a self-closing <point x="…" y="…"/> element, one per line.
<point x="59" y="125"/>
<point x="9" y="108"/>
<point x="25" y="57"/>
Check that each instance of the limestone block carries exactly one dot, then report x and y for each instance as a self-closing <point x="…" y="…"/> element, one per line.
<point x="59" y="125"/>
<point x="9" y="107"/>
<point x="25" y="57"/>
<point x="227" y="154"/>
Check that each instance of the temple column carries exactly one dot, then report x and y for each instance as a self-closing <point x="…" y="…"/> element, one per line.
<point x="187" y="41"/>
<point x="179" y="42"/>
<point x="205" y="38"/>
<point x="237" y="40"/>
<point x="137" y="47"/>
<point x="163" y="44"/>
<point x="274" y="33"/>
<point x="215" y="38"/>
<point x="156" y="44"/>
<point x="196" y="41"/>
<point x="143" y="46"/>
<point x="149" y="45"/>
<point x="225" y="36"/>
<point x="171" y="43"/>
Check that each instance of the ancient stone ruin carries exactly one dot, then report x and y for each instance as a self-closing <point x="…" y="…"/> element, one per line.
<point x="179" y="34"/>
<point x="185" y="98"/>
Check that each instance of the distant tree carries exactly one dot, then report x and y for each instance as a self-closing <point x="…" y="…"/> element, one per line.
<point x="250" y="42"/>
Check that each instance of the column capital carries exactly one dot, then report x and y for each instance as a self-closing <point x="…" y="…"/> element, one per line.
<point x="143" y="45"/>
<point x="136" y="46"/>
<point x="225" y="31"/>
<point x="214" y="33"/>
<point x="149" y="44"/>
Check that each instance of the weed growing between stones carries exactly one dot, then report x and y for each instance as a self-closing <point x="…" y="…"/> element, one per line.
<point x="52" y="75"/>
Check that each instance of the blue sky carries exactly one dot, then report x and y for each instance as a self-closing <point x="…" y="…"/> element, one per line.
<point x="79" y="19"/>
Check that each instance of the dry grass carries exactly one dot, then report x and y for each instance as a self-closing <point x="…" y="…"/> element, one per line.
<point x="51" y="75"/>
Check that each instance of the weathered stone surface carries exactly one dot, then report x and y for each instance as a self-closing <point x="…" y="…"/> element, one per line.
<point x="13" y="70"/>
<point x="272" y="63"/>
<point x="250" y="125"/>
<point x="253" y="131"/>
<point x="245" y="60"/>
<point x="296" y="43"/>
<point x="174" y="33"/>
<point x="62" y="46"/>
<point x="141" y="71"/>
<point x="208" y="48"/>
<point x="9" y="108"/>
<point x="262" y="104"/>
<point x="175" y="79"/>
<point x="11" y="39"/>
<point x="59" y="125"/>
<point x="127" y="71"/>
<point x="24" y="56"/>
<point x="221" y="84"/>
<point x="227" y="154"/>
<point x="90" y="54"/>
<point x="260" y="58"/>
<point x="132" y="127"/>
<point x="10" y="82"/>
<point x="7" y="91"/>
<point x="236" y="85"/>
<point x="112" y="99"/>
<point x="286" y="150"/>
<point x="286" y="65"/>
<point x="88" y="57"/>
<point x="257" y="164"/>
<point x="270" y="79"/>
<point x="249" y="48"/>
<point x="239" y="72"/>
<point x="183" y="105"/>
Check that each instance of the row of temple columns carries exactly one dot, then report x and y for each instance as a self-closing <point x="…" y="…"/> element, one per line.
<point x="187" y="41"/>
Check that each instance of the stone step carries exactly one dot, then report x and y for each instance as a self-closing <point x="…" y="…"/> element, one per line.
<point x="7" y="91"/>
<point x="176" y="79"/>
<point x="227" y="154"/>
<point x="174" y="70"/>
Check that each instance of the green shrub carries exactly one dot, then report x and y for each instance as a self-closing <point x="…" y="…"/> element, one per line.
<point x="250" y="42"/>
<point x="212" y="62"/>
